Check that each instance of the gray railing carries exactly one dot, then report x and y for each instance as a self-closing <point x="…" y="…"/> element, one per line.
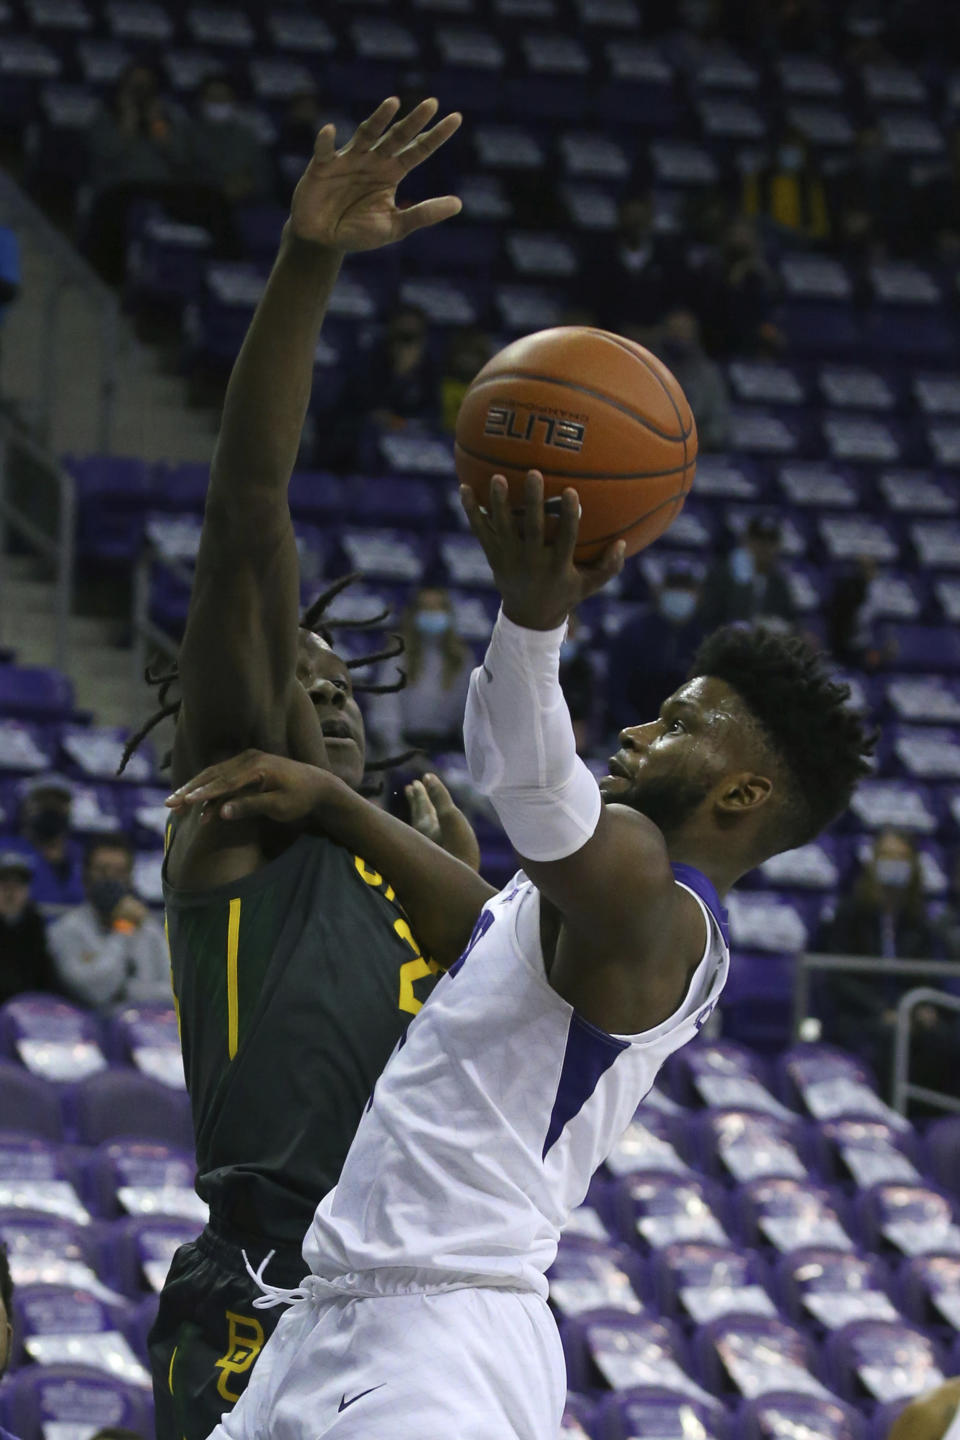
<point x="38" y="393"/>
<point x="30" y="478"/>
<point x="903" y="1089"/>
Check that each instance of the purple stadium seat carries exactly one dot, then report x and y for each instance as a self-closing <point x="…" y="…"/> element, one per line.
<point x="148" y="1036"/>
<point x="942" y="1152"/>
<point x="610" y="1349"/>
<point x="650" y="1412"/>
<point x="929" y="1291"/>
<point x="577" y="1421"/>
<point x="649" y="1143"/>
<point x="832" y="1085"/>
<point x="32" y="693"/>
<point x="871" y="1152"/>
<point x="119" y="1104"/>
<point x="816" y="866"/>
<point x="397" y="555"/>
<point x="141" y="1248"/>
<point x="704" y="1282"/>
<point x="52" y="1038"/>
<point x="912" y="1219"/>
<point x="38" y="1176"/>
<point x="136" y="1177"/>
<point x="930" y="698"/>
<point x="905" y="804"/>
<point x="933" y="648"/>
<point x="61" y="1326"/>
<point x="73" y="1397"/>
<point x="754" y="1355"/>
<point x="790" y="1215"/>
<point x="719" y="1073"/>
<point x="927" y="752"/>
<point x="588" y="1275"/>
<point x="765" y="920"/>
<point x="747" y="1145"/>
<point x="833" y="1287"/>
<point x="663" y="1209"/>
<point x="778" y="1417"/>
<point x="44" y="1249"/>
<point x="28" y="1104"/>
<point x="882" y="1360"/>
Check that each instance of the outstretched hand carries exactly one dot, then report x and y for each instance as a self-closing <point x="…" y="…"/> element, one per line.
<point x="536" y="576"/>
<point x="434" y="814"/>
<point x="253" y="785"/>
<point x="346" y="199"/>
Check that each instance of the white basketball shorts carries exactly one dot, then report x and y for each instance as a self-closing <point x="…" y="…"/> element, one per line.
<point x="479" y="1364"/>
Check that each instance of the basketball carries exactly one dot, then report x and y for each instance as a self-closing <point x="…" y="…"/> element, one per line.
<point x="588" y="409"/>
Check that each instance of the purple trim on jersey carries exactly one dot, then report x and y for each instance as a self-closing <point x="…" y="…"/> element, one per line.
<point x="696" y="881"/>
<point x="589" y="1054"/>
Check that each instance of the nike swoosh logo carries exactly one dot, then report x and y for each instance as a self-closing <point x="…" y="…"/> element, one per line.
<point x="345" y="1403"/>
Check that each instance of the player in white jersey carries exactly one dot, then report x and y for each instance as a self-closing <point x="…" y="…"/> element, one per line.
<point x="424" y="1314"/>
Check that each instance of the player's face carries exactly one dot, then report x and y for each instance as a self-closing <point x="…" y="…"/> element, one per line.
<point x="668" y="768"/>
<point x="326" y="680"/>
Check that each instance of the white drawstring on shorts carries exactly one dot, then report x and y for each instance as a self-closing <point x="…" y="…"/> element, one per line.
<point x="271" y="1295"/>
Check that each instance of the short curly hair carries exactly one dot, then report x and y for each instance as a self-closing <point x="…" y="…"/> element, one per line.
<point x="822" y="746"/>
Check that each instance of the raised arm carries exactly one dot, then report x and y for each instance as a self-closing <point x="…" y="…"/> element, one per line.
<point x="237" y="663"/>
<point x="634" y="935"/>
<point x="441" y="895"/>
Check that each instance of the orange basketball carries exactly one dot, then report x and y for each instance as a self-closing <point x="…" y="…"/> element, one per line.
<point x="591" y="410"/>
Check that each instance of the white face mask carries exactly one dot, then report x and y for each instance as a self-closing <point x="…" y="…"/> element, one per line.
<point x="677" y="604"/>
<point x="893" y="873"/>
<point x="218" y="111"/>
<point x="742" y="565"/>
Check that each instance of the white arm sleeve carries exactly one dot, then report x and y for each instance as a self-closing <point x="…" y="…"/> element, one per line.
<point x="520" y="746"/>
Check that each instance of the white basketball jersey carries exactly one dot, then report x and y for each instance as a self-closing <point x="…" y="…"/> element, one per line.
<point x="492" y="1115"/>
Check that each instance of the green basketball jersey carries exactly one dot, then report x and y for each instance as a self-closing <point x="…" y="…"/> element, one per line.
<point x="293" y="986"/>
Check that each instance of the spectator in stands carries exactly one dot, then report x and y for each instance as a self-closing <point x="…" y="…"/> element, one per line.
<point x="638" y="275"/>
<point x="224" y="154"/>
<point x="302" y="118"/>
<point x="578" y="681"/>
<point x="939" y="204"/>
<point x="788" y="192"/>
<point x="885" y="915"/>
<point x="735" y="291"/>
<point x="45" y="809"/>
<point x="679" y="347"/>
<point x="136" y="149"/>
<point x="395" y="384"/>
<point x="748" y="584"/>
<point x="851" y="619"/>
<point x="867" y="198"/>
<point x="110" y="949"/>
<point x="428" y="711"/>
<point x="468" y="350"/>
<point x="25" y="961"/>
<point x="651" y="652"/>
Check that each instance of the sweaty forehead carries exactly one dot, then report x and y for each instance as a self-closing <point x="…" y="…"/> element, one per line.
<point x="715" y="700"/>
<point x="316" y="653"/>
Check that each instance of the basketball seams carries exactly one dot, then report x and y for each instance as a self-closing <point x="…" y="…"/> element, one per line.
<point x="622" y="344"/>
<point x="500" y="465"/>
<point x="680" y="495"/>
<point x="573" y="387"/>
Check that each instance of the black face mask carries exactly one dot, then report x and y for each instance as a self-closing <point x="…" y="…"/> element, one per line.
<point x="48" y="823"/>
<point x="105" y="895"/>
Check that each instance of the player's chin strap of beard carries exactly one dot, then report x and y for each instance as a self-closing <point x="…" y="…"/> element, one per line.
<point x="520" y="745"/>
<point x="310" y="1287"/>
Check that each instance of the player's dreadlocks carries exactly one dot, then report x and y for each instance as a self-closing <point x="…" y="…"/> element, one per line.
<point x="822" y="745"/>
<point x="317" y="622"/>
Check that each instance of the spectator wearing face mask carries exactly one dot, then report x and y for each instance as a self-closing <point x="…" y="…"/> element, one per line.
<point x="638" y="274"/>
<point x="25" y="962"/>
<point x="578" y="681"/>
<point x="699" y="377"/>
<point x="428" y="711"/>
<point x="748" y="585"/>
<point x="394" y="384"/>
<point x="885" y="915"/>
<point x="225" y="154"/>
<point x="788" y="192"/>
<point x="110" y="949"/>
<point x="652" y="650"/>
<point x="735" y="290"/>
<point x="44" y="824"/>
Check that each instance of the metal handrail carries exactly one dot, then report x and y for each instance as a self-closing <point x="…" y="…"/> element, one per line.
<point x="859" y="964"/>
<point x="903" y="1090"/>
<point x="61" y="551"/>
<point x="73" y="270"/>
